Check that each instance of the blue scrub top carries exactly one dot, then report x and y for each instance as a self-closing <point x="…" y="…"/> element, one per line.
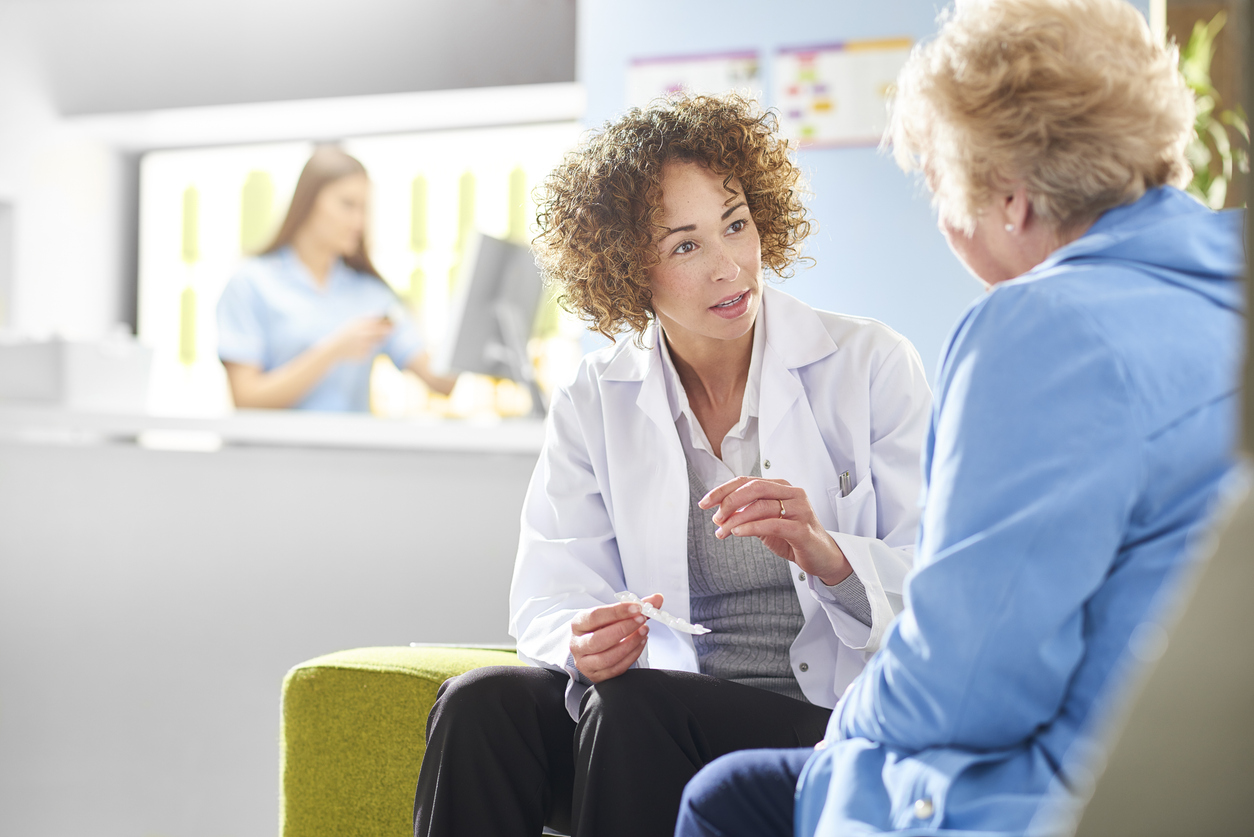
<point x="273" y="310"/>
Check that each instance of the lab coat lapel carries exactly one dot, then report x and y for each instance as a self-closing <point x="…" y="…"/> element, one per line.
<point x="654" y="477"/>
<point x="789" y="432"/>
<point x="667" y="496"/>
<point x="643" y="366"/>
<point x="652" y="399"/>
<point x="779" y="393"/>
<point x="795" y="337"/>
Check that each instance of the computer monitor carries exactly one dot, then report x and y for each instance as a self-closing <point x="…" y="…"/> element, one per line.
<point x="493" y="311"/>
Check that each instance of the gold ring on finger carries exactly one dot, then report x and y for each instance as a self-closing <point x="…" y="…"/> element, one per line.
<point x="781" y="509"/>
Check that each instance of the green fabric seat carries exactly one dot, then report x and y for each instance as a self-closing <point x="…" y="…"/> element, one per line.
<point x="353" y="735"/>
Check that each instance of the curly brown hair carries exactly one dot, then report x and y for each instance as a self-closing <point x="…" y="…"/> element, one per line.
<point x="597" y="210"/>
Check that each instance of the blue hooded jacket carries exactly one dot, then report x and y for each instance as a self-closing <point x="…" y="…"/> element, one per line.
<point x="1084" y="419"/>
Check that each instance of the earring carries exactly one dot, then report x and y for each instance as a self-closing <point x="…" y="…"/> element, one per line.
<point x="1010" y="228"/>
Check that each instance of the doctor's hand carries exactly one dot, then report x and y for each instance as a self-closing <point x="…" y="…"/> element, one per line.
<point x="359" y="338"/>
<point x="779" y="515"/>
<point x="606" y="640"/>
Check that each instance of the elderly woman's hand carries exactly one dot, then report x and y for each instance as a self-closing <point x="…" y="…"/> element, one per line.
<point x="606" y="640"/>
<point x="780" y="515"/>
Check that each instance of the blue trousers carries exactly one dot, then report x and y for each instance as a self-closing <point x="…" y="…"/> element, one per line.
<point x="744" y="794"/>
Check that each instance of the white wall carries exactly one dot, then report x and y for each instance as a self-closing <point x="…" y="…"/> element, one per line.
<point x="151" y="602"/>
<point x="67" y="243"/>
<point x="127" y="55"/>
<point x="6" y="260"/>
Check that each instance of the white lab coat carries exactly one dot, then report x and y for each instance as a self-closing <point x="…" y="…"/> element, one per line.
<point x="607" y="507"/>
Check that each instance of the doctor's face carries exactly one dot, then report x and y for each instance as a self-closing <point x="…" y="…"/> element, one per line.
<point x="707" y="284"/>
<point x="338" y="217"/>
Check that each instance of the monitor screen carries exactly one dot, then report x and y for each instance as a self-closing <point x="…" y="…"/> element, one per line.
<point x="493" y="311"/>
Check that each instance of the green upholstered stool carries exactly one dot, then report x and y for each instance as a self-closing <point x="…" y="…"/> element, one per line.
<point x="354" y="731"/>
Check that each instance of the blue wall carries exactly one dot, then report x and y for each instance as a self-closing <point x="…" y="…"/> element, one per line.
<point x="878" y="251"/>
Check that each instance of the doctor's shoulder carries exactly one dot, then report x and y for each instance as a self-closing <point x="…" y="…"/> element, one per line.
<point x="587" y="385"/>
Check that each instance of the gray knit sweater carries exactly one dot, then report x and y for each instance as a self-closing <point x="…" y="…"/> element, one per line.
<point x="744" y="594"/>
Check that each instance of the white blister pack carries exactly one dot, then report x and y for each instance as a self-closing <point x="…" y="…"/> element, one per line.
<point x="662" y="616"/>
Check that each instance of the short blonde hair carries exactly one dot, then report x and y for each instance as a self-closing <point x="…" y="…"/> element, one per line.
<point x="597" y="211"/>
<point x="1072" y="98"/>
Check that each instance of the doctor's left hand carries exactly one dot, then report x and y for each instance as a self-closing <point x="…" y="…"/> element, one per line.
<point x="778" y="514"/>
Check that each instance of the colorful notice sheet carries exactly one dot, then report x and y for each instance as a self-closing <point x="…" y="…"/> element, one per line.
<point x="649" y="78"/>
<point x="837" y="95"/>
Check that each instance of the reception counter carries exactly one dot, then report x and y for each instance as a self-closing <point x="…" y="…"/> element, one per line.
<point x="158" y="576"/>
<point x="279" y="428"/>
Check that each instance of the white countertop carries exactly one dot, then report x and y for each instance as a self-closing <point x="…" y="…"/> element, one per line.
<point x="282" y="428"/>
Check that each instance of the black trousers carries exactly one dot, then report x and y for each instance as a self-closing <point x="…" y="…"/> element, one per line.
<point x="504" y="758"/>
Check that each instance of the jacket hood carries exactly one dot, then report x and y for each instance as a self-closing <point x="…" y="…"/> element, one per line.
<point x="1172" y="237"/>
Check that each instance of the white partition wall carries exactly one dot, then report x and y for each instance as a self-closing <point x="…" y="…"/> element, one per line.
<point x="151" y="602"/>
<point x="6" y="262"/>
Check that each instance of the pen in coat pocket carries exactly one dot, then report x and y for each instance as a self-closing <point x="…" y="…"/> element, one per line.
<point x="846" y="484"/>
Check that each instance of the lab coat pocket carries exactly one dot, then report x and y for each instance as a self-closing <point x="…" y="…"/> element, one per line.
<point x="855" y="514"/>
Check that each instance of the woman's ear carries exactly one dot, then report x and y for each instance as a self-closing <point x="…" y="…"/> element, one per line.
<point x="1017" y="209"/>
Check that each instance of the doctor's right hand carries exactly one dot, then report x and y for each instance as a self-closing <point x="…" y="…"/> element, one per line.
<point x="606" y="640"/>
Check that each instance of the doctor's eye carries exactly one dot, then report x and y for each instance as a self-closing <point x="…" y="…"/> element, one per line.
<point x="738" y="225"/>
<point x="684" y="247"/>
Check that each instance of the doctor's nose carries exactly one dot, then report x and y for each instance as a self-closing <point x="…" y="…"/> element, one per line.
<point x="724" y="268"/>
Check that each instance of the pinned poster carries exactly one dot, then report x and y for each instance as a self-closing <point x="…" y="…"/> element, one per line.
<point x="837" y="95"/>
<point x="649" y="78"/>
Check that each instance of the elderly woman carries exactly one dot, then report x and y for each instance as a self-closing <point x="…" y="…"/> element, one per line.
<point x="748" y="461"/>
<point x="1084" y="421"/>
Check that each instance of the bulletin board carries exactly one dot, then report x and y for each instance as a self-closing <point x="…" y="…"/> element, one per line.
<point x="836" y="95"/>
<point x="649" y="78"/>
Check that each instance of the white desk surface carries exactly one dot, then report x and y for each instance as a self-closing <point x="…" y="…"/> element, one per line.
<point x="280" y="428"/>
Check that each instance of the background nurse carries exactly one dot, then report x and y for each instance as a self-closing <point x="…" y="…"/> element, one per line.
<point x="300" y="325"/>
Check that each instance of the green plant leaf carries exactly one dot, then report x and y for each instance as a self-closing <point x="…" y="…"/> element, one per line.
<point x="1217" y="194"/>
<point x="1214" y="154"/>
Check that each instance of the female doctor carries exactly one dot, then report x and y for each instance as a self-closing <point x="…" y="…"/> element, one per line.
<point x="299" y="326"/>
<point x="750" y="462"/>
